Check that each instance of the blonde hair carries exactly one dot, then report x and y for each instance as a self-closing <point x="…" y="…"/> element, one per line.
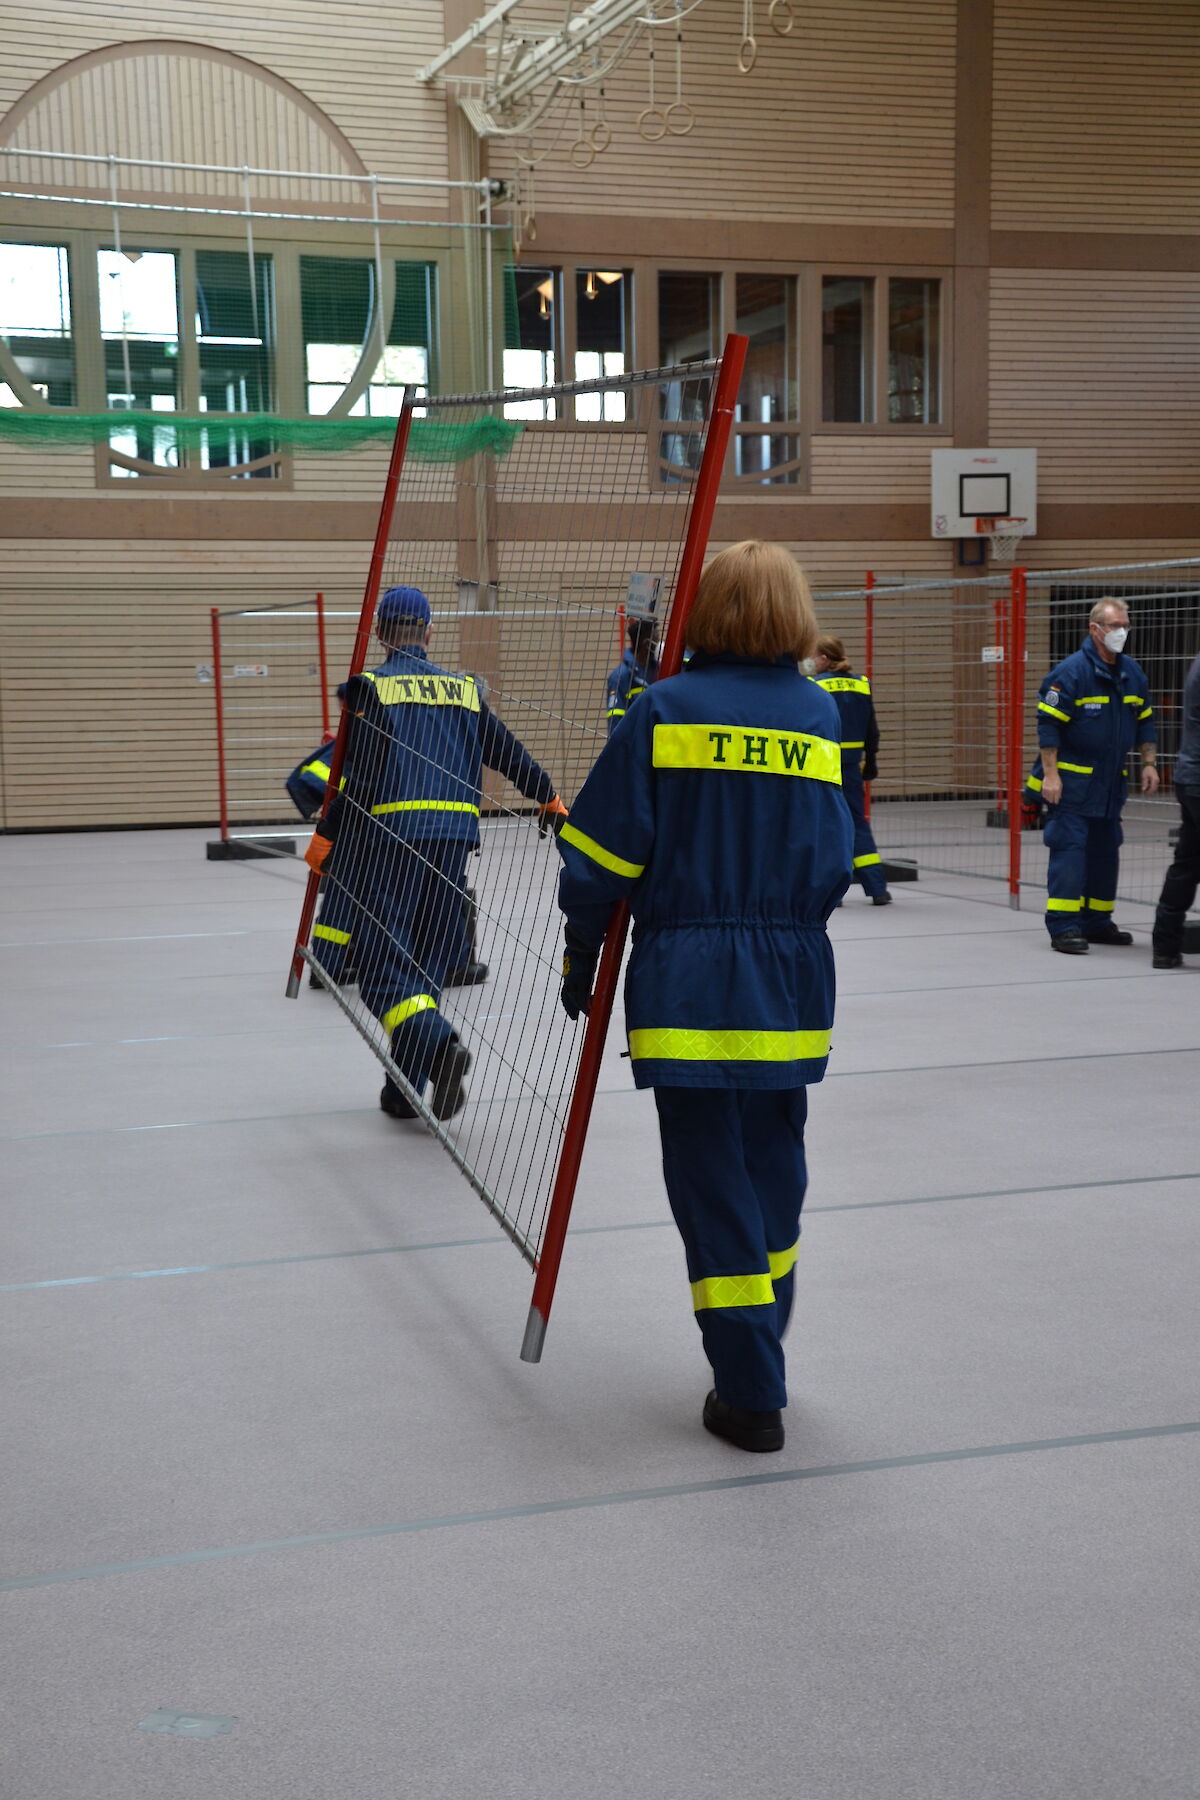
<point x="1101" y="607"/>
<point x="753" y="600"/>
<point x="834" y="652"/>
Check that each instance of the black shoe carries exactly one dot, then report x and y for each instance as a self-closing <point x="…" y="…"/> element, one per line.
<point x="394" y="1104"/>
<point x="884" y="899"/>
<point x="1166" y="959"/>
<point x="469" y="975"/>
<point x="1110" y="934"/>
<point x="1070" y="943"/>
<point x="448" y="1073"/>
<point x="748" y="1430"/>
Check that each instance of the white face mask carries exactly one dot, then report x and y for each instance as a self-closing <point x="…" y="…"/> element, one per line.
<point x="1114" y="640"/>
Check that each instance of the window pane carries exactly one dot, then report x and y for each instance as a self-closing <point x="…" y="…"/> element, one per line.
<point x="340" y="323"/>
<point x="235" y="331"/>
<point x="530" y="331"/>
<point x="765" y="312"/>
<point x="914" y="394"/>
<point x="603" y="310"/>
<point x="139" y="324"/>
<point x="846" y="338"/>
<point x="688" y="314"/>
<point x="35" y="319"/>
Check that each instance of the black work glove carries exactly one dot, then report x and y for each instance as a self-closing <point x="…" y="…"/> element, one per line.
<point x="578" y="973"/>
<point x="870" y="771"/>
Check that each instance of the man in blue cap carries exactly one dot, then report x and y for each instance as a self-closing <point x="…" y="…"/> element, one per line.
<point x="398" y="835"/>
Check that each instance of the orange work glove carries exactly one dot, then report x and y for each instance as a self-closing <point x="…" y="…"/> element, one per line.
<point x="318" y="852"/>
<point x="552" y="817"/>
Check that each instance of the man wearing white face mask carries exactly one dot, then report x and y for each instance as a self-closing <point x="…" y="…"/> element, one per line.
<point x="1093" y="709"/>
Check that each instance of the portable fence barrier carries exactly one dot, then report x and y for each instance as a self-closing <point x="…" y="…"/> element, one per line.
<point x="527" y="549"/>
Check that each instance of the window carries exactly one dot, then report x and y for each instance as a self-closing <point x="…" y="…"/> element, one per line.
<point x="602" y="337"/>
<point x="880" y="335"/>
<point x="35" y="324"/>
<point x="689" y="317"/>
<point x="139" y="329"/>
<point x="531" y="329"/>
<point x="765" y="312"/>
<point x="340" y="311"/>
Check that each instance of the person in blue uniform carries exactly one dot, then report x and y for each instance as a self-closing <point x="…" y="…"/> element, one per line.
<point x="1093" y="710"/>
<point x="397" y="837"/>
<point x="637" y="668"/>
<point x="860" y="757"/>
<point x="334" y="930"/>
<point x="717" y="811"/>
<point x="1183" y="877"/>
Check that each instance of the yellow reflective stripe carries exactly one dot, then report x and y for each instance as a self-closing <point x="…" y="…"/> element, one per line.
<point x="782" y="1262"/>
<point x="1077" y="768"/>
<point x="616" y="712"/>
<point x="1065" y="717"/>
<point x="844" y="684"/>
<point x="1147" y="713"/>
<point x="317" y="768"/>
<point x="635" y="691"/>
<point x="1063" y="905"/>
<point x="332" y="935"/>
<point x="426" y="690"/>
<point x="598" y="853"/>
<point x="1100" y="905"/>
<point x="1093" y="700"/>
<point x="860" y="862"/>
<point x="1035" y="783"/>
<point x="392" y="806"/>
<point x="1135" y="699"/>
<point x="679" y="1044"/>
<point x="741" y="750"/>
<point x="396" y="1015"/>
<point x="854" y="746"/>
<point x="732" y="1290"/>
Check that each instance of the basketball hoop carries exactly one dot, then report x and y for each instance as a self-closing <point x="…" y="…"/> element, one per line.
<point x="1005" y="535"/>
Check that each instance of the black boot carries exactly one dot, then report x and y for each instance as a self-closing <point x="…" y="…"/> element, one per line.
<point x="737" y="1425"/>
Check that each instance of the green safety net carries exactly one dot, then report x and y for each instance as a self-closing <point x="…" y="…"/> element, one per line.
<point x="431" y="439"/>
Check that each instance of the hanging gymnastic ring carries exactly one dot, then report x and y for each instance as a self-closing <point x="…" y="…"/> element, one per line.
<point x="680" y="109"/>
<point x="747" y="54"/>
<point x="643" y="124"/>
<point x="600" y="136"/>
<point x="581" y="153"/>
<point x="781" y="9"/>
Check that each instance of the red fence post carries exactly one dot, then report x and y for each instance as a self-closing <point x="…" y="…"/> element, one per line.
<point x="358" y="657"/>
<point x="691" y="564"/>
<point x="219" y="698"/>
<point x="868" y="660"/>
<point x="1016" y="735"/>
<point x="323" y="666"/>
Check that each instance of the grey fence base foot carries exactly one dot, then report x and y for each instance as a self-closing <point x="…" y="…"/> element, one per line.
<point x="242" y="849"/>
<point x="903" y="870"/>
<point x="1191" y="937"/>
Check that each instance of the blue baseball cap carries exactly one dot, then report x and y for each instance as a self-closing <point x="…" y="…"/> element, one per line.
<point x="403" y="603"/>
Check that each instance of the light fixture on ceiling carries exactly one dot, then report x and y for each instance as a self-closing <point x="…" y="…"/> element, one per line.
<point x="607" y="276"/>
<point x="545" y="294"/>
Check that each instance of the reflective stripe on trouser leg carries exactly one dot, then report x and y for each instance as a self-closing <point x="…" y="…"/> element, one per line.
<point x="733" y="1160"/>
<point x="1100" y="873"/>
<point x="334" y="931"/>
<point x="1065" y="837"/>
<point x="411" y="931"/>
<point x="867" y="865"/>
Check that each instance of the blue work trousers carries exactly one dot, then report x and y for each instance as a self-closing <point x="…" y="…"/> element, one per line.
<point x="1081" y="875"/>
<point x="411" y="931"/>
<point x="1182" y="878"/>
<point x="868" y="866"/>
<point x="733" y="1159"/>
<point x="333" y="934"/>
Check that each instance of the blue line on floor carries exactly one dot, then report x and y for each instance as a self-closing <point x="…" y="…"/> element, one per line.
<point x="628" y="1497"/>
<point x="475" y="1243"/>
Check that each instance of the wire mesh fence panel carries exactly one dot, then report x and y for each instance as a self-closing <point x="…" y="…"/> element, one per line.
<point x="439" y="894"/>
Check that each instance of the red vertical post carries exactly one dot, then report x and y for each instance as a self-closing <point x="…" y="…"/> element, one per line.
<point x="1016" y="735"/>
<point x="358" y="657"/>
<point x="620" y="631"/>
<point x="868" y="660"/>
<point x="323" y="665"/>
<point x="218" y="696"/>
<point x="691" y="564"/>
<point x="1000" y="606"/>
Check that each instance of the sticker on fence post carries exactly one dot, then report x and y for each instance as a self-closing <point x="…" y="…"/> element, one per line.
<point x="249" y="669"/>
<point x="641" y="600"/>
<point x="992" y="653"/>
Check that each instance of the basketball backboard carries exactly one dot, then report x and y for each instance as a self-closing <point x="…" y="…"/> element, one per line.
<point x="970" y="488"/>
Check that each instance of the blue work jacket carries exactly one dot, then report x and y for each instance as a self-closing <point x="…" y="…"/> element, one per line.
<point x="717" y="810"/>
<point x="308" y="780"/>
<point x="860" y="731"/>
<point x="1093" y="713"/>
<point x="419" y="738"/>
<point x="625" y="683"/>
